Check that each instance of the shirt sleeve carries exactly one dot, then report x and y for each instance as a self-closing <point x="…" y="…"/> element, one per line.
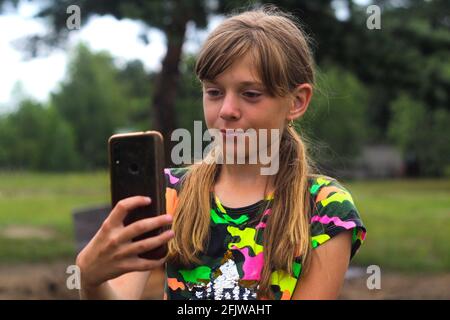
<point x="173" y="182"/>
<point x="334" y="211"/>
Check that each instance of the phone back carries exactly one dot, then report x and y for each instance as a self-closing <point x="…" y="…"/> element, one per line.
<point x="136" y="168"/>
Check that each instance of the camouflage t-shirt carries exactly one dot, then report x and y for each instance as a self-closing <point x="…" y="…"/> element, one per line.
<point x="231" y="266"/>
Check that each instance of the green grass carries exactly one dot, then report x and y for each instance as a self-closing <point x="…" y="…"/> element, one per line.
<point x="46" y="200"/>
<point x="408" y="221"/>
<point x="408" y="224"/>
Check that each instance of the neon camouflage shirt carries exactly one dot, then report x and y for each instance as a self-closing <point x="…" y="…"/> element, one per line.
<point x="231" y="265"/>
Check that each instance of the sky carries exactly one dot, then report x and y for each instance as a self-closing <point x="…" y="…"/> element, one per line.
<point x="39" y="76"/>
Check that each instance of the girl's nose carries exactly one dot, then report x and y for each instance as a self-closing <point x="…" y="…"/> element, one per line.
<point x="230" y="108"/>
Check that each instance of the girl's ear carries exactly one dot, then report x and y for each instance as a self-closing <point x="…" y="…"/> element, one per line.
<point x="301" y="97"/>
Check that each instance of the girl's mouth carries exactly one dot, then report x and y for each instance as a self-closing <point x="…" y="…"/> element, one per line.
<point x="231" y="132"/>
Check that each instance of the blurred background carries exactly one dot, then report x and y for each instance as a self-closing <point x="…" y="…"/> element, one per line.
<point x="379" y="122"/>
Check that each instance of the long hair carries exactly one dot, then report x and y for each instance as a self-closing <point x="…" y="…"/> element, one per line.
<point x="283" y="60"/>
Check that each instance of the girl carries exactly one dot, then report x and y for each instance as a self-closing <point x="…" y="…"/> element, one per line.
<point x="238" y="234"/>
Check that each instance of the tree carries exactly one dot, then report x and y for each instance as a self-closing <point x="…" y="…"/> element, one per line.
<point x="93" y="101"/>
<point x="335" y="123"/>
<point x="137" y="83"/>
<point x="35" y="137"/>
<point x="410" y="53"/>
<point x="423" y="135"/>
<point x="170" y="16"/>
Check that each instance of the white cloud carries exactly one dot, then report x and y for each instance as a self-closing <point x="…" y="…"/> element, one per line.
<point x="12" y="67"/>
<point x="121" y="39"/>
<point x="41" y="75"/>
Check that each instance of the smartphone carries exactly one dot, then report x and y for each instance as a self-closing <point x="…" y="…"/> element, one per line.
<point x="136" y="163"/>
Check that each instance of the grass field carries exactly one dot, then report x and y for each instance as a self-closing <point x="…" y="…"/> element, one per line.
<point x="408" y="221"/>
<point x="45" y="201"/>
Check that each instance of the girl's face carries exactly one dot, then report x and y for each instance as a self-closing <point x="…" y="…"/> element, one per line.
<point x="237" y="99"/>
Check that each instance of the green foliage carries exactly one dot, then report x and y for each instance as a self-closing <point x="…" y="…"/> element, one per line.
<point x="58" y="145"/>
<point x="96" y="100"/>
<point x="189" y="104"/>
<point x="93" y="102"/>
<point x="408" y="117"/>
<point x="410" y="55"/>
<point x="36" y="137"/>
<point x="138" y="87"/>
<point x="336" y="118"/>
<point x="422" y="134"/>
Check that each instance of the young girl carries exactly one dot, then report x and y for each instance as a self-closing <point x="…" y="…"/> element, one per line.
<point x="238" y="234"/>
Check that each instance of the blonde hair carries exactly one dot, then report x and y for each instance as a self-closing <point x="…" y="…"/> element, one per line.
<point x="283" y="60"/>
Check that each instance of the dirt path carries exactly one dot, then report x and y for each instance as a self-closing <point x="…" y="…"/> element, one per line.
<point x="400" y="286"/>
<point x="35" y="281"/>
<point x="48" y="281"/>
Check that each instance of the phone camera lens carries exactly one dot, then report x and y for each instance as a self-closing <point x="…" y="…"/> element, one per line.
<point x="134" y="169"/>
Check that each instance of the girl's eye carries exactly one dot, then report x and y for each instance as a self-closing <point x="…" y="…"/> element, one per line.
<point x="252" y="94"/>
<point x="213" y="93"/>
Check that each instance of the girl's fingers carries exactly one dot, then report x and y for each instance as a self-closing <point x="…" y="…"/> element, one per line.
<point x="139" y="264"/>
<point x="123" y="207"/>
<point x="135" y="248"/>
<point x="139" y="227"/>
<point x="144" y="264"/>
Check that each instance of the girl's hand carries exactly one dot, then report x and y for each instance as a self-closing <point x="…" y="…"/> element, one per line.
<point x="111" y="253"/>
